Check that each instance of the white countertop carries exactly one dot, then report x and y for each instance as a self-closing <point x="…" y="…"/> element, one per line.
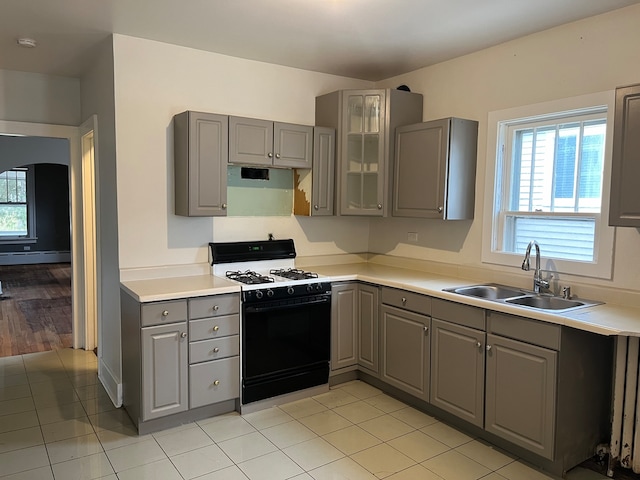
<point x="606" y="319"/>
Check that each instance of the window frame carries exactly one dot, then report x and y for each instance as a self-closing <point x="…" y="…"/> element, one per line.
<point x="30" y="237"/>
<point x="494" y="198"/>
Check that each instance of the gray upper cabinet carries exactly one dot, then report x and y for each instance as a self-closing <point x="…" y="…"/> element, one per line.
<point x="200" y="164"/>
<point x="269" y="144"/>
<point x="624" y="207"/>
<point x="314" y="189"/>
<point x="435" y="169"/>
<point x="365" y="121"/>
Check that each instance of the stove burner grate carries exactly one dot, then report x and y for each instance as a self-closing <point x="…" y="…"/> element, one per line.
<point x="293" y="273"/>
<point x="249" y="277"/>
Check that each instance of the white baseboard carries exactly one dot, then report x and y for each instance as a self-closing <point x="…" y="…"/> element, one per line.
<point x="110" y="383"/>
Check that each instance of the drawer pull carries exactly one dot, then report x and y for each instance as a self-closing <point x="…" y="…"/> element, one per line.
<point x="165" y="313"/>
<point x="216" y="328"/>
<point x="215" y="308"/>
<point x="404" y="300"/>
<point x="216" y="383"/>
<point x="183" y="334"/>
<point x="216" y="350"/>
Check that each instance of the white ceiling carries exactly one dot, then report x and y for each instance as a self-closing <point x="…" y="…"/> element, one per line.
<point x="368" y="39"/>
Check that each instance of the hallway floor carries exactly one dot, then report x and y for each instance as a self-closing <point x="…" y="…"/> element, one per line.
<point x="56" y="421"/>
<point x="35" y="308"/>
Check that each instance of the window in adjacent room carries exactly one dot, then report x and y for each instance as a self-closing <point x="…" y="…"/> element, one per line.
<point x="550" y="170"/>
<point x="16" y="205"/>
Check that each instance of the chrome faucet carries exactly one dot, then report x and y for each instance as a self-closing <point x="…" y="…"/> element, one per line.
<point x="538" y="281"/>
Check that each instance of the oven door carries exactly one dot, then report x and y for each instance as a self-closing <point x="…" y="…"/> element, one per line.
<point x="285" y="346"/>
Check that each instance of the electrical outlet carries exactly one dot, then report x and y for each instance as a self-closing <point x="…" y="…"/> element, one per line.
<point x="412" y="237"/>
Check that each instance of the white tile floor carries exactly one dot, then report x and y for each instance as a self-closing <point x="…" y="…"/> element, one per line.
<point x="56" y="421"/>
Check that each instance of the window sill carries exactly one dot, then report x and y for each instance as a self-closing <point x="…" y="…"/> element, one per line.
<point x="18" y="240"/>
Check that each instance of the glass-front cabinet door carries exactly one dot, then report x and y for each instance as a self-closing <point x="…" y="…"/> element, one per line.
<point x="363" y="165"/>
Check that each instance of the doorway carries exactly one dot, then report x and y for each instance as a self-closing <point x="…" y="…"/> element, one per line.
<point x="82" y="144"/>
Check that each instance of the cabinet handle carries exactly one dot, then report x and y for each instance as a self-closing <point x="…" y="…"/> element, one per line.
<point x="216" y="383"/>
<point x="270" y="155"/>
<point x="215" y="308"/>
<point x="165" y="313"/>
<point x="315" y="207"/>
<point x="478" y="344"/>
<point x="216" y="350"/>
<point x="224" y="206"/>
<point x="183" y="334"/>
<point x="488" y="347"/>
<point x="379" y="206"/>
<point x="425" y="329"/>
<point x="404" y="300"/>
<point x="277" y="155"/>
<point x="440" y="209"/>
<point x="216" y="328"/>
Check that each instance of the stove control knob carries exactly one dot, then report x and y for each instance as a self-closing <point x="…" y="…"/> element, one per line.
<point x="259" y="294"/>
<point x="309" y="288"/>
<point x="269" y="293"/>
<point x="290" y="290"/>
<point x="319" y="287"/>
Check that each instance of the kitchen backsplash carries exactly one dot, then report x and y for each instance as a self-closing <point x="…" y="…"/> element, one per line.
<point x="247" y="197"/>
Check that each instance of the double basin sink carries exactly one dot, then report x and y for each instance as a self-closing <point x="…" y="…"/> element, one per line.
<point x="520" y="297"/>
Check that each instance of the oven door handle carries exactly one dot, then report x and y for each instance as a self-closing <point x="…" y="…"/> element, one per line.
<point x="279" y="306"/>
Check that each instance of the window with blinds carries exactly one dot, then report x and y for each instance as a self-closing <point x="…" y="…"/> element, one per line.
<point x="551" y="187"/>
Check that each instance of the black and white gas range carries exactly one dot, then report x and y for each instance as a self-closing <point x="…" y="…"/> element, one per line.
<point x="285" y="315"/>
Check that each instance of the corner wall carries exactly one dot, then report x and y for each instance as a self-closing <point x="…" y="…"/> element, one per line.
<point x="97" y="93"/>
<point x="153" y="82"/>
<point x="592" y="55"/>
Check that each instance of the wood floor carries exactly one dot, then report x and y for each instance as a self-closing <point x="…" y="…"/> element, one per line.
<point x="35" y="308"/>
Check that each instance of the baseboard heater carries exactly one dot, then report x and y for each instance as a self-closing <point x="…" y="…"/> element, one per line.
<point x="625" y="434"/>
<point x="29" y="258"/>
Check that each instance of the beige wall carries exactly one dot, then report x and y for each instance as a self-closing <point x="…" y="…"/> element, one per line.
<point x="98" y="98"/>
<point x="153" y="82"/>
<point x="38" y="98"/>
<point x="593" y="55"/>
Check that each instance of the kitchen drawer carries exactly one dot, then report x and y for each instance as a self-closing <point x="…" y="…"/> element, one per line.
<point x="525" y="329"/>
<point x="464" y="315"/>
<point x="207" y="350"/>
<point x="163" y="312"/>
<point x="407" y="300"/>
<point x="214" y="382"/>
<point x="207" y="328"/>
<point x="214" y="306"/>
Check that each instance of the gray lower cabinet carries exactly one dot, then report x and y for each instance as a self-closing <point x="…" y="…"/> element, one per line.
<point x="368" y="327"/>
<point x="314" y="188"/>
<point x="164" y="370"/>
<point x="214" y="349"/>
<point x="354" y="327"/>
<point x="457" y="370"/>
<point x="434" y="170"/>
<point x="521" y="393"/>
<point x="178" y="356"/>
<point x="404" y="337"/>
<point x="265" y="143"/>
<point x="200" y="164"/>
<point x="344" y="325"/>
<point x="624" y="207"/>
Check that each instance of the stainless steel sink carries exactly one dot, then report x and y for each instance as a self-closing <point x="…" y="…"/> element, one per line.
<point x="521" y="297"/>
<point x="491" y="291"/>
<point x="544" y="302"/>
